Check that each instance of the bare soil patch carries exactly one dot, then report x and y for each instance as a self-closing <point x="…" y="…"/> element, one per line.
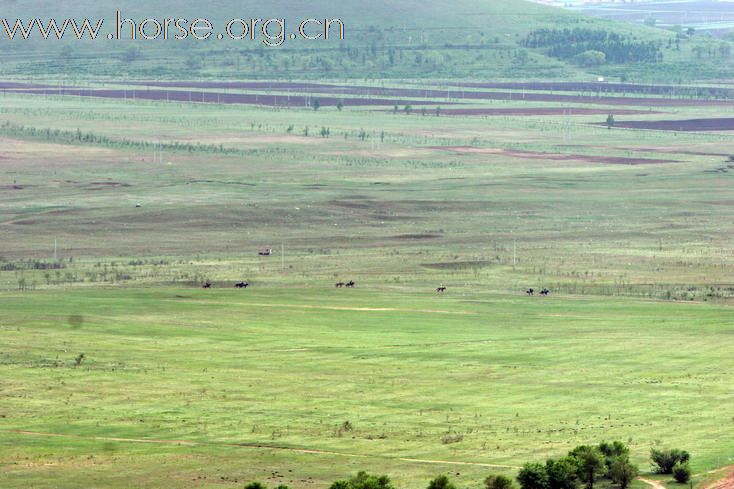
<point x="610" y="160"/>
<point x="271" y="100"/>
<point x="725" y="483"/>
<point x="530" y="111"/>
<point x="685" y="125"/>
<point x="280" y="94"/>
<point x="416" y="236"/>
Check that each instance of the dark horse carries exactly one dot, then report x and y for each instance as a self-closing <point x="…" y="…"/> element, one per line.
<point x="206" y="285"/>
<point x="266" y="252"/>
<point x="441" y="289"/>
<point x="350" y="283"/>
<point x="544" y="291"/>
<point x="242" y="285"/>
<point x="339" y="285"/>
<point x="530" y="291"/>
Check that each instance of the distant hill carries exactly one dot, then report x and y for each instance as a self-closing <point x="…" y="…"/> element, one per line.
<point x="383" y="39"/>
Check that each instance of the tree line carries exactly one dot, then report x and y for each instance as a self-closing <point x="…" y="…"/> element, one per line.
<point x="617" y="48"/>
<point x="607" y="462"/>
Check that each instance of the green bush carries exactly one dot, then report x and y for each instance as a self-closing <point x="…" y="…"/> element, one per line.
<point x="622" y="471"/>
<point x="665" y="460"/>
<point x="363" y="480"/>
<point x="498" y="482"/>
<point x="591" y="464"/>
<point x="441" y="482"/>
<point x="562" y="473"/>
<point x="533" y="476"/>
<point x="682" y="472"/>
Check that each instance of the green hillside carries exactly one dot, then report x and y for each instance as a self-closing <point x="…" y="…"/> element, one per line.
<point x="407" y="39"/>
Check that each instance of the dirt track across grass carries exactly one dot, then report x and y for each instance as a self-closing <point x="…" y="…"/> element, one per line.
<point x="257" y="446"/>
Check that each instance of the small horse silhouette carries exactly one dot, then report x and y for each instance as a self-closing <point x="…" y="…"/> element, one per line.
<point x="441" y="289"/>
<point x="530" y="291"/>
<point x="544" y="291"/>
<point x="206" y="285"/>
<point x="266" y="252"/>
<point x="339" y="285"/>
<point x="350" y="284"/>
<point x="242" y="285"/>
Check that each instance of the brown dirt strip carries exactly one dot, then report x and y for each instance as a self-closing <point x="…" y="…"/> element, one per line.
<point x="254" y="446"/>
<point x="567" y="111"/>
<point x="271" y="100"/>
<point x="612" y="160"/>
<point x="330" y="96"/>
<point x="653" y="483"/>
<point x="685" y="125"/>
<point x="725" y="483"/>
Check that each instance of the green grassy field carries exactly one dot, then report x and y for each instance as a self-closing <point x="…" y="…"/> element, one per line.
<point x="185" y="387"/>
<point x="202" y="371"/>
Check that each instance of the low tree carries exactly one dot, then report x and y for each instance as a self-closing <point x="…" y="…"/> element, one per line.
<point x="613" y="451"/>
<point x="363" y="480"/>
<point x="533" y="476"/>
<point x="682" y="472"/>
<point x="622" y="471"/>
<point x="315" y="104"/>
<point x="441" y="482"/>
<point x="664" y="460"/>
<point x="610" y="121"/>
<point x="590" y="463"/>
<point x="498" y="481"/>
<point x="256" y="485"/>
<point x="562" y="473"/>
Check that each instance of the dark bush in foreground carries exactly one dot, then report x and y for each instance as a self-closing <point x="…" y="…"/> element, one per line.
<point x="498" y="482"/>
<point x="591" y="463"/>
<point x="622" y="471"/>
<point x="682" y="472"/>
<point x="665" y="460"/>
<point x="363" y="480"/>
<point x="441" y="482"/>
<point x="562" y="473"/>
<point x="533" y="476"/>
<point x="256" y="485"/>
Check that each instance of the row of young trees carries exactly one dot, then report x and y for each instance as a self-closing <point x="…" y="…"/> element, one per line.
<point x="585" y="464"/>
<point x="608" y="461"/>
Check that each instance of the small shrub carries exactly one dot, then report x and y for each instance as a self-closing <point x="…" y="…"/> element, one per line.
<point x="441" y="482"/>
<point x="664" y="460"/>
<point x="256" y="485"/>
<point x="363" y="480"/>
<point x="533" y="476"/>
<point x="498" y="482"/>
<point x="622" y="471"/>
<point x="682" y="472"/>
